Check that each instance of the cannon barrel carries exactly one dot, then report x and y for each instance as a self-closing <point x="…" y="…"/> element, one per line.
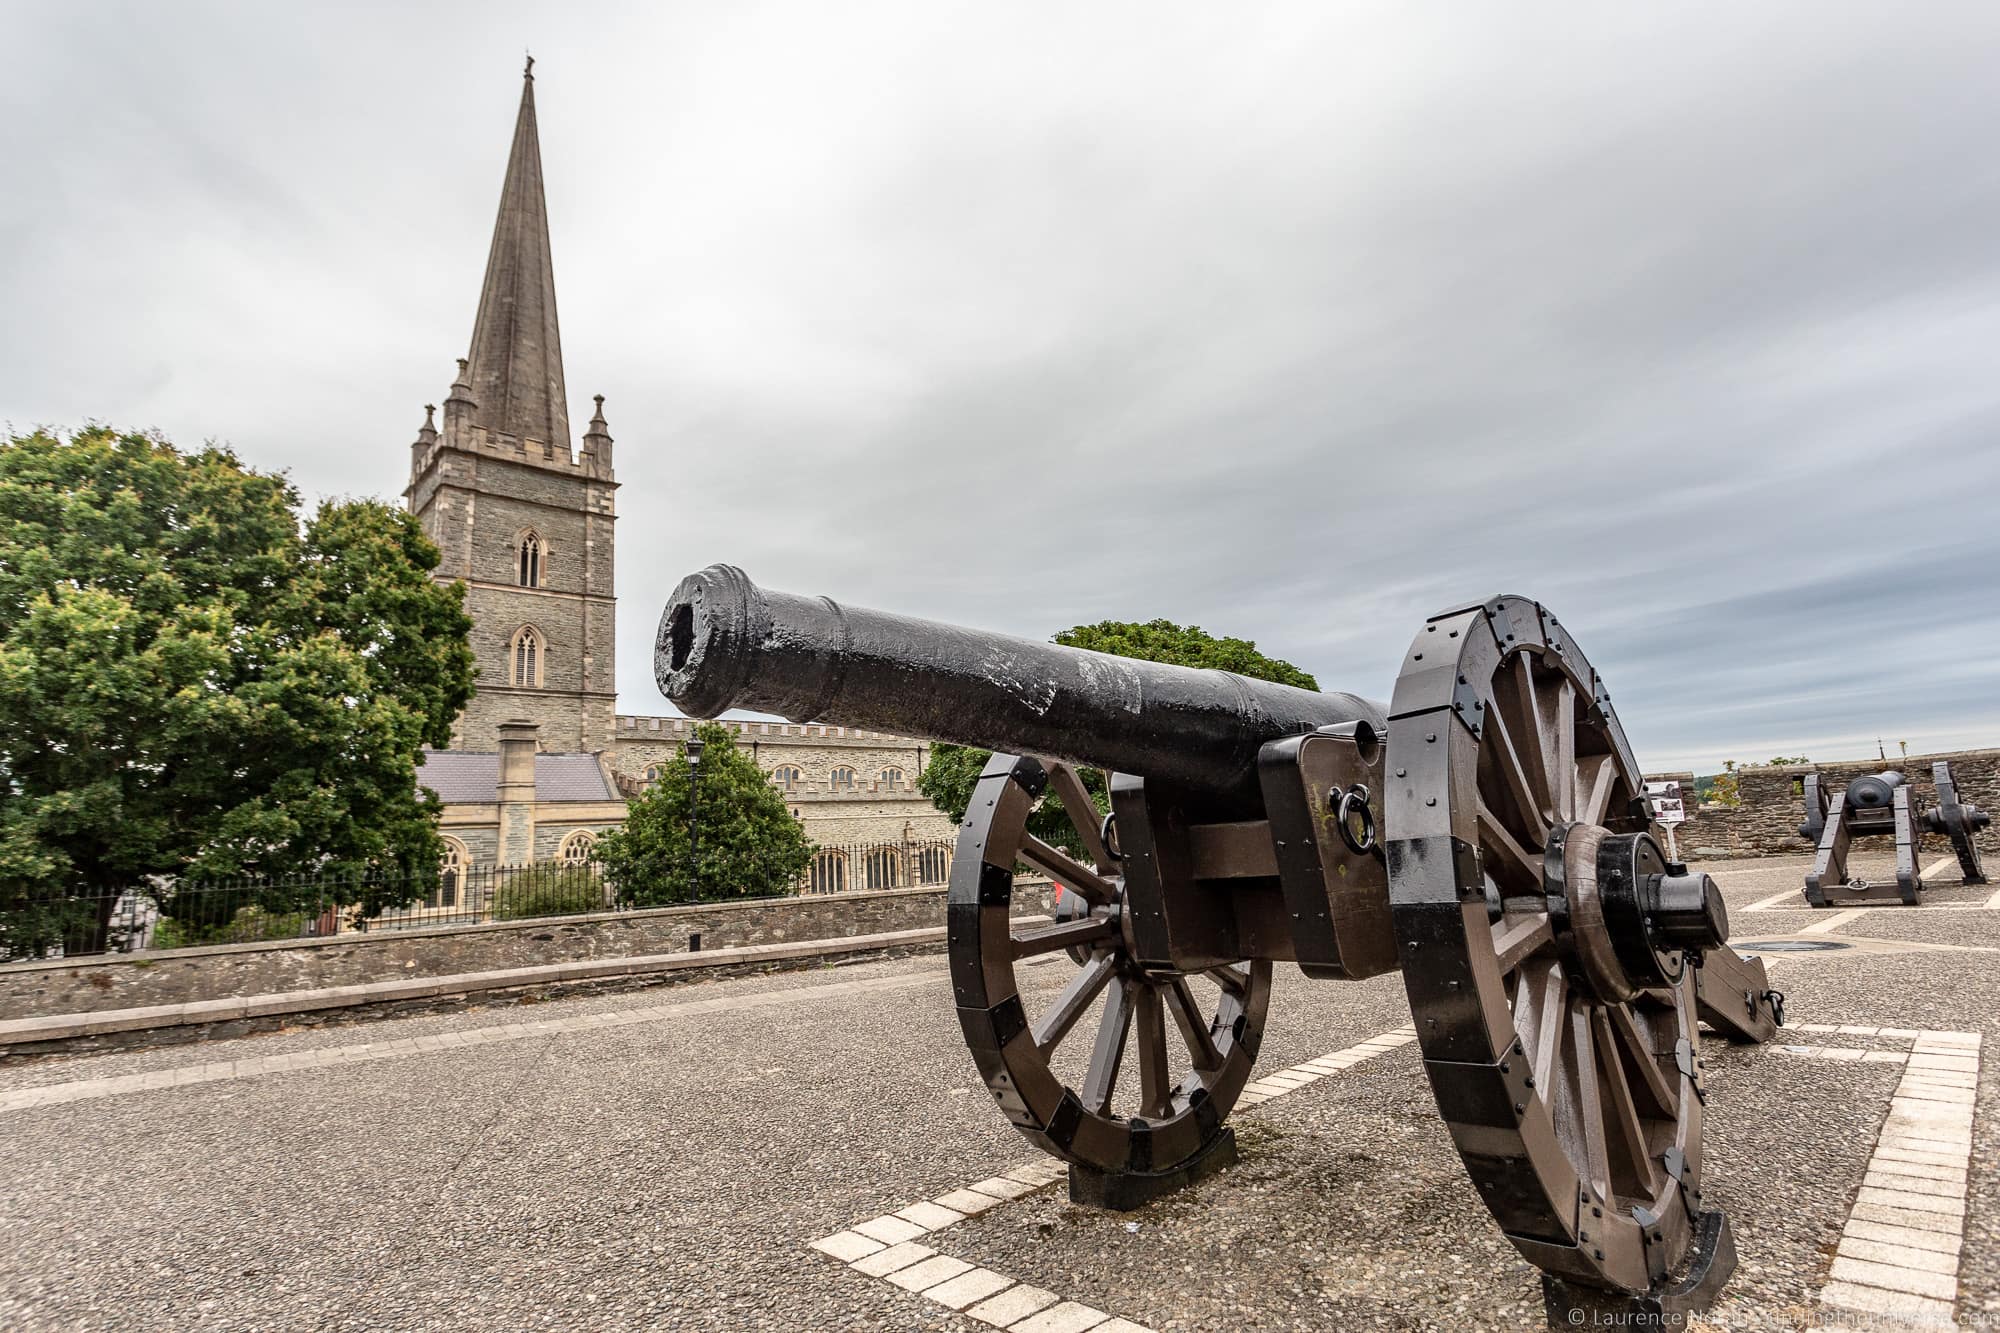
<point x="726" y="643"/>
<point x="1873" y="791"/>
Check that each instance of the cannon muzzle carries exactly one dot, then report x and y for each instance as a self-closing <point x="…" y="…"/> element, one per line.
<point x="726" y="643"/>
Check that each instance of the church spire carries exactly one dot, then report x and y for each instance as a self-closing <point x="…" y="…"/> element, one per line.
<point x="516" y="374"/>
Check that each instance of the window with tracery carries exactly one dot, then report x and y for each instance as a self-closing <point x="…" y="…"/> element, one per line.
<point x="884" y="866"/>
<point x="577" y="847"/>
<point x="787" y="776"/>
<point x="528" y="656"/>
<point x="892" y="776"/>
<point x="451" y="872"/>
<point x="841" y="779"/>
<point x="532" y="552"/>
<point x="829" y="872"/>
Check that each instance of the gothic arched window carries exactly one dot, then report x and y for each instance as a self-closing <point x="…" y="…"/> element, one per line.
<point x="829" y="873"/>
<point x="528" y="655"/>
<point x="892" y="776"/>
<point x="786" y="776"/>
<point x="532" y="551"/>
<point x="841" y="779"/>
<point x="884" y="866"/>
<point x="577" y="847"/>
<point x="451" y="872"/>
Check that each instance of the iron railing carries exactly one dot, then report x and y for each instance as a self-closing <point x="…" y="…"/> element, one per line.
<point x="854" y="866"/>
<point x="171" y="915"/>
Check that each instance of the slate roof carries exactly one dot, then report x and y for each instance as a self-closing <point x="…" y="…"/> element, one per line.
<point x="466" y="777"/>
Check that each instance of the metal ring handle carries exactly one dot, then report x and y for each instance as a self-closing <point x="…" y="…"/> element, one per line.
<point x="1107" y="834"/>
<point x="1353" y="799"/>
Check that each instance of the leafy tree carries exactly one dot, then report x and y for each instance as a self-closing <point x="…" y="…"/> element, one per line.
<point x="1725" y="788"/>
<point x="750" y="846"/>
<point x="953" y="770"/>
<point x="196" y="684"/>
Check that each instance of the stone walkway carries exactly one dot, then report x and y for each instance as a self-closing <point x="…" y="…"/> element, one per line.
<point x="813" y="1150"/>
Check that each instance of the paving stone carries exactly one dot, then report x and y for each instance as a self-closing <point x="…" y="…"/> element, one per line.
<point x="930" y="1216"/>
<point x="929" y="1273"/>
<point x="847" y="1246"/>
<point x="1952" y="1224"/>
<point x="969" y="1288"/>
<point x="1906" y="1237"/>
<point x="1898" y="1256"/>
<point x="1938" y="1286"/>
<point x="1012" y="1305"/>
<point x="967" y="1202"/>
<point x="1002" y="1188"/>
<point x="1068" y="1317"/>
<point x="889" y="1230"/>
<point x="885" y="1262"/>
<point x="1909" y="1200"/>
<point x="1919" y="1310"/>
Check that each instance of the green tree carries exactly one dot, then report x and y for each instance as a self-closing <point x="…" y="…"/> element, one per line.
<point x="197" y="684"/>
<point x="949" y="777"/>
<point x="750" y="845"/>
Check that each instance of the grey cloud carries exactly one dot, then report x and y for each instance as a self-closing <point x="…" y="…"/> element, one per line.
<point x="1298" y="325"/>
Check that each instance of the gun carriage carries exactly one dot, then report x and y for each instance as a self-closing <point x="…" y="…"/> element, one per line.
<point x="1884" y="805"/>
<point x="1484" y="832"/>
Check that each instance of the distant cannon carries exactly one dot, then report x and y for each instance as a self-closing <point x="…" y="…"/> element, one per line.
<point x="1883" y="805"/>
<point x="1485" y="832"/>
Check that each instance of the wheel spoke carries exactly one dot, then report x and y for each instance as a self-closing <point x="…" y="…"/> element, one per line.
<point x="1552" y="1002"/>
<point x="1590" y="1097"/>
<point x="1074" y="1001"/>
<point x="1084" y="931"/>
<point x="1599" y="781"/>
<point x="1620" y="1109"/>
<point x="1561" y="730"/>
<point x="1640" y="1056"/>
<point x="1156" y="1089"/>
<point x="1522" y="867"/>
<point x="1105" y="1056"/>
<point x="1530" y="748"/>
<point x="1083" y="813"/>
<point x="1520" y="785"/>
<point x="1194" y="1029"/>
<point x="1230" y="978"/>
<point x="1517" y="939"/>
<point x="1065" y="870"/>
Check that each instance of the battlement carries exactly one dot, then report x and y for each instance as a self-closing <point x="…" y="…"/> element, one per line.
<point x="585" y="463"/>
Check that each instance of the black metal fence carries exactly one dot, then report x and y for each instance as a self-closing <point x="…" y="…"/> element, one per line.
<point x="170" y="915"/>
<point x="850" y="867"/>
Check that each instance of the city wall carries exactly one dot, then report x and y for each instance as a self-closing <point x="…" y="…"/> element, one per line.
<point x="1767" y="821"/>
<point x="183" y="976"/>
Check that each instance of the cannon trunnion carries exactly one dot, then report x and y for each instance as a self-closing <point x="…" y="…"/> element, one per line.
<point x="1484" y="833"/>
<point x="1884" y="805"/>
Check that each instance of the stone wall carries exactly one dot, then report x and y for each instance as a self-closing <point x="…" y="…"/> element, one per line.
<point x="1773" y="805"/>
<point x="874" y="809"/>
<point x="181" y="976"/>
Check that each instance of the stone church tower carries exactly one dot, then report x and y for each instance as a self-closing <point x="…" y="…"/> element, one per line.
<point x="522" y="521"/>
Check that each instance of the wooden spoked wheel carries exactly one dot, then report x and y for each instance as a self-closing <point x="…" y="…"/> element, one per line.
<point x="1123" y="1069"/>
<point x="1560" y="1045"/>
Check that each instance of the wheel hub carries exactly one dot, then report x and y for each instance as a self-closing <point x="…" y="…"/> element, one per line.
<point x="1625" y="915"/>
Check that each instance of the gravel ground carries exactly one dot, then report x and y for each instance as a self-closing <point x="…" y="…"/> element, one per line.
<point x="669" y="1174"/>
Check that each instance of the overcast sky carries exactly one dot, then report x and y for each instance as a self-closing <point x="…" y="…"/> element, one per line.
<point x="1296" y="323"/>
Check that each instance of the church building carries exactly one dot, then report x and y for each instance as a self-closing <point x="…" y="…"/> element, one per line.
<point x="527" y="523"/>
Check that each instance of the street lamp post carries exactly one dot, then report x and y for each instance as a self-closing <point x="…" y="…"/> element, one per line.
<point x="694" y="748"/>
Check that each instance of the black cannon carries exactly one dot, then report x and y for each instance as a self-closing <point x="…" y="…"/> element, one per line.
<point x="1485" y="832"/>
<point x="1883" y="805"/>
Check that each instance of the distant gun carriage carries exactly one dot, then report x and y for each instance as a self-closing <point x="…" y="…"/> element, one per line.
<point x="1883" y="805"/>
<point x="1485" y="832"/>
